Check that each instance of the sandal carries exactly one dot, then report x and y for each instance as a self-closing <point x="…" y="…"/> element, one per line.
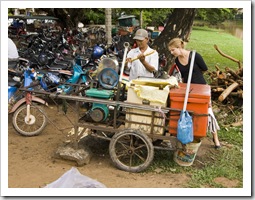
<point x="216" y="146"/>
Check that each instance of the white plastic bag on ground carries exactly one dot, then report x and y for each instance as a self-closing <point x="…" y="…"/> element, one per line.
<point x="74" y="179"/>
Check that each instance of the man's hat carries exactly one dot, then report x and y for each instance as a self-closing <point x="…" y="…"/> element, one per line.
<point x="141" y="34"/>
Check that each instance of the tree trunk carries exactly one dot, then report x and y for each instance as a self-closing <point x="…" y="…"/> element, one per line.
<point x="141" y="18"/>
<point x="108" y="25"/>
<point x="179" y="24"/>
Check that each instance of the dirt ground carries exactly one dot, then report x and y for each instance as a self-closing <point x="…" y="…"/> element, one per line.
<point x="33" y="164"/>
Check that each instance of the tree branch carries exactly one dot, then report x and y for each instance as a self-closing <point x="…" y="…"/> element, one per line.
<point x="227" y="56"/>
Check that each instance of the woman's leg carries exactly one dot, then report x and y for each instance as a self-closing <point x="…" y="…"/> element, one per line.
<point x="216" y="140"/>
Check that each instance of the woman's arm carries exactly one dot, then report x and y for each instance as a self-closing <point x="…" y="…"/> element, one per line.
<point x="201" y="63"/>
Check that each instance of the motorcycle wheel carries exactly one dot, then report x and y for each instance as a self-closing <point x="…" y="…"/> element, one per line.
<point x="34" y="126"/>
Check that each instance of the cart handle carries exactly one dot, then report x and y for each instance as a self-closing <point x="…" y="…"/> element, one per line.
<point x="126" y="45"/>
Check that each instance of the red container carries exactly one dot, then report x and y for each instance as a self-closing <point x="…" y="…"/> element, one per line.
<point x="198" y="103"/>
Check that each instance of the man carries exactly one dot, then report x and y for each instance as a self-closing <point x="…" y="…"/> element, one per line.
<point x="146" y="63"/>
<point x="12" y="51"/>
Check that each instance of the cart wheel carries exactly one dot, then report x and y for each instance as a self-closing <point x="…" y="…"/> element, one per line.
<point x="131" y="150"/>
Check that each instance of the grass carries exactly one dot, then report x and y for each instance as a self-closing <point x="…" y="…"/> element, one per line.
<point x="227" y="165"/>
<point x="228" y="161"/>
<point x="203" y="39"/>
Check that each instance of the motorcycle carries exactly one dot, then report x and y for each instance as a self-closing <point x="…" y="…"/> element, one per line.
<point x="63" y="81"/>
<point x="28" y="118"/>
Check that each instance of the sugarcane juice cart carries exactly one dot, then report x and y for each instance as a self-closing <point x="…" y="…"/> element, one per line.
<point x="137" y="117"/>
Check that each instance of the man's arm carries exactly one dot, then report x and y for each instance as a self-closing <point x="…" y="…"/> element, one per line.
<point x="151" y="66"/>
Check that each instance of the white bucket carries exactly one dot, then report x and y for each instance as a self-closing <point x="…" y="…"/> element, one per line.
<point x="186" y="154"/>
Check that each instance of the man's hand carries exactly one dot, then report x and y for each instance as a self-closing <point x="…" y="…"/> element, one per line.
<point x="141" y="57"/>
<point x="128" y="59"/>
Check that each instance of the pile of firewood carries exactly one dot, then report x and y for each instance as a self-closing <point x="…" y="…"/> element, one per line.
<point x="227" y="86"/>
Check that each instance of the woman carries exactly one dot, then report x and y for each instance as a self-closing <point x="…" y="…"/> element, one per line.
<point x="182" y="61"/>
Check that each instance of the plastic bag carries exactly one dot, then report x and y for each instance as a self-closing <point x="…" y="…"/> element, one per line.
<point x="185" y="128"/>
<point x="174" y="71"/>
<point x="74" y="179"/>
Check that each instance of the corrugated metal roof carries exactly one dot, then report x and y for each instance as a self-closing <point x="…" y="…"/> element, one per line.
<point x="126" y="16"/>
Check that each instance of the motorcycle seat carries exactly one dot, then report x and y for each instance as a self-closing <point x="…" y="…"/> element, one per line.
<point x="67" y="63"/>
<point x="54" y="66"/>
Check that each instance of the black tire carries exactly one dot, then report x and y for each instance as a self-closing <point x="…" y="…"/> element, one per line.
<point x="131" y="150"/>
<point x="32" y="128"/>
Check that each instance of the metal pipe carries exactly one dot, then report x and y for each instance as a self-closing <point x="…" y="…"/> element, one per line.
<point x="126" y="45"/>
<point x="103" y="101"/>
<point x="189" y="80"/>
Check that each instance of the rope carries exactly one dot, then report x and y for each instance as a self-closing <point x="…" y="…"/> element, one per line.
<point x="158" y="109"/>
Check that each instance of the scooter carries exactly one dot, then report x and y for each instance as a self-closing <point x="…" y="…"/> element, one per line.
<point x="63" y="81"/>
<point x="28" y="118"/>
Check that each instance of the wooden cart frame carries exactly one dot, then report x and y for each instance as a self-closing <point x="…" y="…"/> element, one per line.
<point x="130" y="149"/>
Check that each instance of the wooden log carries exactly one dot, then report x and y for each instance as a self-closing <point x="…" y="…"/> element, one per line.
<point x="218" y="90"/>
<point x="217" y="67"/>
<point x="239" y="72"/>
<point x="231" y="80"/>
<point x="237" y="94"/>
<point x="217" y="86"/>
<point x="240" y="82"/>
<point x="211" y="73"/>
<point x="228" y="82"/>
<point x="236" y="76"/>
<point x="221" y="76"/>
<point x="227" y="91"/>
<point x="219" y="73"/>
